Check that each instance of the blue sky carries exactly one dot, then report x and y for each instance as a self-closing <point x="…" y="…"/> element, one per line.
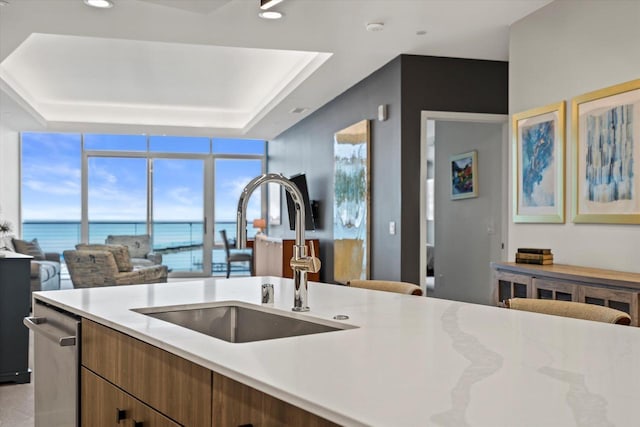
<point x="51" y="178"/>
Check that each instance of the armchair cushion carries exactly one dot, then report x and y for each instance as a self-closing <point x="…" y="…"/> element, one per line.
<point x="154" y="257"/>
<point x="31" y="248"/>
<point x="45" y="267"/>
<point x="139" y="248"/>
<point x="46" y="275"/>
<point x="120" y="254"/>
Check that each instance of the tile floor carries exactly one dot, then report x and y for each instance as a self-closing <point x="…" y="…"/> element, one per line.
<point x="16" y="400"/>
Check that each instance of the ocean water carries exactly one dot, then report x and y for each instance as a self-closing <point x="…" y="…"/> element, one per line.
<point x="180" y="242"/>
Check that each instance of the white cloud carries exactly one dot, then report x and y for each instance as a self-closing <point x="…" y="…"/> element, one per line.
<point x="184" y="196"/>
<point x="63" y="188"/>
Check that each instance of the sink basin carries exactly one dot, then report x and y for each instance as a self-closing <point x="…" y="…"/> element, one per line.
<point x="240" y="323"/>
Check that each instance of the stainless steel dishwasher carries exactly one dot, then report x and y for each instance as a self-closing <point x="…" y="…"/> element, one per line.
<point x="56" y="365"/>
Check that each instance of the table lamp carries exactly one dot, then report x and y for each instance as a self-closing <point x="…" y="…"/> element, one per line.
<point x="260" y="224"/>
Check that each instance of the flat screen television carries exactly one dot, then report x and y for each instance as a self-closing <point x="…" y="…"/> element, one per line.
<point x="300" y="180"/>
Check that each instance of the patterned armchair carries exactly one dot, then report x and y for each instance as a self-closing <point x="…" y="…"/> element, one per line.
<point x="139" y="248"/>
<point x="107" y="265"/>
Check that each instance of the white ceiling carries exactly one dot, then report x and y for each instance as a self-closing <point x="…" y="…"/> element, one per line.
<point x="212" y="67"/>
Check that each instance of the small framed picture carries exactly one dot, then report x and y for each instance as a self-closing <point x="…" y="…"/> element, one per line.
<point x="464" y="175"/>
<point x="606" y="133"/>
<point x="538" y="164"/>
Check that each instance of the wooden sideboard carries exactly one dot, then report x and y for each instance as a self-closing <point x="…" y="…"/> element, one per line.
<point x="272" y="255"/>
<point x="615" y="289"/>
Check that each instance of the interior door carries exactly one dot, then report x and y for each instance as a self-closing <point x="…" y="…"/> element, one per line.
<point x="468" y="232"/>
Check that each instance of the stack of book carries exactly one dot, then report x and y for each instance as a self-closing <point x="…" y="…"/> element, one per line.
<point x="534" y="256"/>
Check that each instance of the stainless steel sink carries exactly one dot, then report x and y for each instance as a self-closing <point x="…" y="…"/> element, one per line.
<point x="240" y="323"/>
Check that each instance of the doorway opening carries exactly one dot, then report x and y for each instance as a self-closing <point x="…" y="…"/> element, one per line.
<point x="460" y="236"/>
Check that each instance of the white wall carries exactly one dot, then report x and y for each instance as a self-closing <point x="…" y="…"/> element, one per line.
<point x="568" y="48"/>
<point x="9" y="175"/>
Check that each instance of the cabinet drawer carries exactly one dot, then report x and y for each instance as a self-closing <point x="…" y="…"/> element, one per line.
<point x="174" y="386"/>
<point x="236" y="404"/>
<point x="104" y="405"/>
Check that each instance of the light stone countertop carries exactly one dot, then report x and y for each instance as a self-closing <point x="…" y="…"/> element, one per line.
<point x="411" y="361"/>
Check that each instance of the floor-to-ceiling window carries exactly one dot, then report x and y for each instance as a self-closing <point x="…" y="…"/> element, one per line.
<point x="51" y="189"/>
<point x="82" y="188"/>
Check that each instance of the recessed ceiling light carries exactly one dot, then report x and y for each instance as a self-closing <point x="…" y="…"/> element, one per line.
<point x="102" y="4"/>
<point x="268" y="4"/>
<point x="375" y="26"/>
<point x="270" y="14"/>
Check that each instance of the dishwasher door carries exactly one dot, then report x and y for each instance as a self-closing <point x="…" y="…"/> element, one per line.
<point x="56" y="365"/>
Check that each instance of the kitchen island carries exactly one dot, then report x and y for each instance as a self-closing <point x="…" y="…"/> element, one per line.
<point x="403" y="361"/>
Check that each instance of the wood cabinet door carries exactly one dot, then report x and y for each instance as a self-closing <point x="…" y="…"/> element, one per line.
<point x="622" y="300"/>
<point x="510" y="285"/>
<point x="554" y="289"/>
<point x="235" y="404"/>
<point x="104" y="405"/>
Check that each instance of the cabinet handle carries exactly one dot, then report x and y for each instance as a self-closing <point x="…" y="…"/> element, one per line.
<point x="137" y="423"/>
<point x="121" y="415"/>
<point x="245" y="425"/>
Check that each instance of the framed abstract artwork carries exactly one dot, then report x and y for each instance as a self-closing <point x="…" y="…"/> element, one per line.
<point x="464" y="175"/>
<point x="351" y="196"/>
<point x="606" y="134"/>
<point x="538" y="164"/>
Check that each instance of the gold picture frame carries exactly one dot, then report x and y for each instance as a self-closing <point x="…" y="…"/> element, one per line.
<point x="539" y="165"/>
<point x="606" y="155"/>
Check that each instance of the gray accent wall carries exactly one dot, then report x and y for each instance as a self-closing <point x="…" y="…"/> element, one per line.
<point x="407" y="85"/>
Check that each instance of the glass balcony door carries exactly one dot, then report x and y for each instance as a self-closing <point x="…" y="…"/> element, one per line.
<point x="182" y="200"/>
<point x="178" y="212"/>
<point x="231" y="176"/>
<point x="116" y="195"/>
<point x="163" y="197"/>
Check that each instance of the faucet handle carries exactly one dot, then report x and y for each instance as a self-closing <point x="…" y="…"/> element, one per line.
<point x="314" y="263"/>
<point x="307" y="263"/>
